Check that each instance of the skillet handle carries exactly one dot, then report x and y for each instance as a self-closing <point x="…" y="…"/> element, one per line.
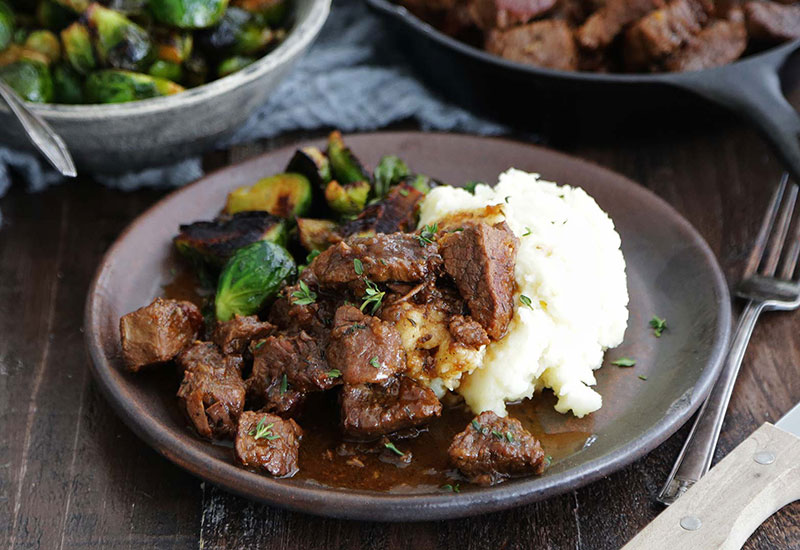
<point x="752" y="88"/>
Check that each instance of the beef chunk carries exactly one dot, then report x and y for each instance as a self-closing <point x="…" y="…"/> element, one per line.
<point x="316" y="318"/>
<point x="606" y="23"/>
<point x="503" y="14"/>
<point x="364" y="348"/>
<point x="395" y="257"/>
<point x="663" y="31"/>
<point x="397" y="212"/>
<point x="718" y="44"/>
<point x="547" y="43"/>
<point x="772" y="22"/>
<point x="298" y="356"/>
<point x="279" y="398"/>
<point x="468" y="331"/>
<point x="235" y="335"/>
<point x="492" y="448"/>
<point x="481" y="259"/>
<point x="370" y="410"/>
<point x="269" y="443"/>
<point x="158" y="332"/>
<point x="212" y="391"/>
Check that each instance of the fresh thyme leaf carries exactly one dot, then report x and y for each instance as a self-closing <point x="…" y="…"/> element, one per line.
<point x="624" y="362"/>
<point x="382" y="261"/>
<point x="428" y="234"/>
<point x="497" y="434"/>
<point x="394" y="449"/>
<point x="642" y="377"/>
<point x="260" y="344"/>
<point x="304" y="296"/>
<point x="527" y="232"/>
<point x="311" y="255"/>
<point x="658" y="325"/>
<point x="413" y="323"/>
<point x="403" y="192"/>
<point x="263" y="430"/>
<point x="510" y="437"/>
<point x="374" y="362"/>
<point x="358" y="266"/>
<point x="506" y="199"/>
<point x="455" y="488"/>
<point x="334" y="373"/>
<point x="525" y="301"/>
<point x="373" y="295"/>
<point x="477" y="426"/>
<point x="548" y="460"/>
<point x="284" y="384"/>
<point x="470" y="186"/>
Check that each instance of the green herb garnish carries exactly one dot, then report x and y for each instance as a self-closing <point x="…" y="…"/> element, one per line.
<point x="374" y="362"/>
<point x="428" y="234"/>
<point x="624" y="362"/>
<point x="470" y="186"/>
<point x="284" y="384"/>
<point x="658" y="325"/>
<point x="394" y="449"/>
<point x="373" y="295"/>
<point x="527" y="232"/>
<point x="498" y="435"/>
<point x="260" y="344"/>
<point x="525" y="301"/>
<point x="403" y="192"/>
<point x="506" y="199"/>
<point x="304" y="296"/>
<point x="334" y="373"/>
<point x="263" y="430"/>
<point x="642" y="377"/>
<point x="454" y="488"/>
<point x="311" y="255"/>
<point x="510" y="437"/>
<point x="358" y="266"/>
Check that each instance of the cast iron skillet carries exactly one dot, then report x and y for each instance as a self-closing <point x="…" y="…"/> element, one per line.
<point x="750" y="86"/>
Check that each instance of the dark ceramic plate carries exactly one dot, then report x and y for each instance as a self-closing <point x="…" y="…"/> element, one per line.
<point x="671" y="273"/>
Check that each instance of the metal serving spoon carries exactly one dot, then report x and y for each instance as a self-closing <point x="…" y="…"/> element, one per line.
<point x="41" y="135"/>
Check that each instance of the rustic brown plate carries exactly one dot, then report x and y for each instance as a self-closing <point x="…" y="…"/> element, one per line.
<point x="671" y="273"/>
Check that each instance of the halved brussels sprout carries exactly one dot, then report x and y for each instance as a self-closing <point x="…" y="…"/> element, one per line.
<point x="349" y="199"/>
<point x="112" y="86"/>
<point x="345" y="167"/>
<point x="174" y="46"/>
<point x="216" y="241"/>
<point x="78" y="48"/>
<point x="67" y="85"/>
<point x="389" y="172"/>
<point x="222" y="37"/>
<point x="78" y="6"/>
<point x="253" y="39"/>
<point x="167" y="70"/>
<point x="188" y="14"/>
<point x="252" y="276"/>
<point x="285" y="195"/>
<point x="7" y="21"/>
<point x="313" y="164"/>
<point x="46" y="43"/>
<point x="54" y="16"/>
<point x="272" y="12"/>
<point x="30" y="79"/>
<point x="234" y="64"/>
<point x="316" y="234"/>
<point x="119" y="42"/>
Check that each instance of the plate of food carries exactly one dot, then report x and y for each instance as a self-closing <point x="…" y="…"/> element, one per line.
<point x="408" y="326"/>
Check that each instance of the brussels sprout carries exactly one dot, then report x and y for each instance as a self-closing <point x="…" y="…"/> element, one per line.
<point x="195" y="70"/>
<point x="67" y="85"/>
<point x="20" y="36"/>
<point x="316" y="234"/>
<point x="421" y="183"/>
<point x="253" y="39"/>
<point x="398" y="211"/>
<point x="223" y="36"/>
<point x="285" y="195"/>
<point x="30" y="79"/>
<point x="234" y="64"/>
<point x="6" y="25"/>
<point x="112" y="86"/>
<point x="10" y="55"/>
<point x="46" y="43"/>
<point x="252" y="276"/>
<point x="128" y="7"/>
<point x="54" y="16"/>
<point x="272" y="12"/>
<point x="119" y="42"/>
<point x="214" y="242"/>
<point x="188" y="14"/>
<point x="345" y="167"/>
<point x="167" y="70"/>
<point x="78" y="48"/>
<point x="389" y="172"/>
<point x="313" y="164"/>
<point x="78" y="6"/>
<point x="174" y="46"/>
<point x="349" y="199"/>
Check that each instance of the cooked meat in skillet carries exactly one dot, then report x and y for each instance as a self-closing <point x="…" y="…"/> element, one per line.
<point x="371" y="410"/>
<point x="772" y="22"/>
<point x="364" y="348"/>
<point x="158" y="332"/>
<point x="606" y="23"/>
<point x="298" y="356"/>
<point x="212" y="391"/>
<point x="491" y="449"/>
<point x="468" y="331"/>
<point x="547" y="43"/>
<point x="718" y="44"/>
<point x="396" y="212"/>
<point x="316" y="318"/>
<point x="481" y="259"/>
<point x="502" y="14"/>
<point x="235" y="335"/>
<point x="267" y="442"/>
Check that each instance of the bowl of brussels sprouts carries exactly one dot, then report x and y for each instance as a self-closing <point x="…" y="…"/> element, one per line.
<point x="131" y="84"/>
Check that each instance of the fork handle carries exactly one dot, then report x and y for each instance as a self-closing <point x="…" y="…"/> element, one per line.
<point x="697" y="453"/>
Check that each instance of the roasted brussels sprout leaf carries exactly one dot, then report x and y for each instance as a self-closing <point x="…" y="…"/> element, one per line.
<point x="252" y="276"/>
<point x="6" y="25"/>
<point x="78" y="48"/>
<point x="188" y="14"/>
<point x="313" y="164"/>
<point x="46" y="43"/>
<point x="234" y="64"/>
<point x="30" y="79"/>
<point x="316" y="234"/>
<point x="214" y="242"/>
<point x="118" y="41"/>
<point x="167" y="70"/>
<point x="285" y="195"/>
<point x="345" y="167"/>
<point x="390" y="171"/>
<point x="347" y="200"/>
<point x="112" y="86"/>
<point x="67" y="85"/>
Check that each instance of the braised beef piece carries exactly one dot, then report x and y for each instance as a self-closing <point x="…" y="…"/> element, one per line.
<point x="158" y="332"/>
<point x="277" y="397"/>
<point x="299" y="356"/>
<point x="548" y="43"/>
<point x="235" y="335"/>
<point x="481" y="260"/>
<point x="371" y="410"/>
<point x="316" y="318"/>
<point x="396" y="257"/>
<point x="364" y="348"/>
<point x="396" y="212"/>
<point x="468" y="331"/>
<point x="269" y="443"/>
<point x="719" y="43"/>
<point x="212" y="392"/>
<point x="606" y="23"/>
<point x="491" y="449"/>
<point x="503" y="14"/>
<point x="772" y="22"/>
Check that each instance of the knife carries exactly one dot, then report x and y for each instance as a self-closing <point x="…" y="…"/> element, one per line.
<point x="722" y="510"/>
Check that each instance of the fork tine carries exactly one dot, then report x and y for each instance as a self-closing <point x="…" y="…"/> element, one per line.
<point x="766" y="226"/>
<point x="780" y="230"/>
<point x="790" y="262"/>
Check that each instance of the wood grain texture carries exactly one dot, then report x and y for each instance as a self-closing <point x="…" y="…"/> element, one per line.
<point x="73" y="476"/>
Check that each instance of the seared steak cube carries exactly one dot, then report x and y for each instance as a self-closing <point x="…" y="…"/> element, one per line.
<point x="502" y="14"/>
<point x="772" y="22"/>
<point x="364" y="348"/>
<point x="371" y="410"/>
<point x="299" y="357"/>
<point x="235" y="335"/>
<point x="212" y="391"/>
<point x="481" y="259"/>
<point x="719" y="43"/>
<point x="547" y="43"/>
<point x="605" y="24"/>
<point x="467" y="331"/>
<point x="492" y="448"/>
<point x="269" y="443"/>
<point x="279" y="398"/>
<point x="158" y="332"/>
<point x="292" y="314"/>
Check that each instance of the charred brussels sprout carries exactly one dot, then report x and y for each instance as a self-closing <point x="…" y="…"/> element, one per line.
<point x="233" y="64"/>
<point x="285" y="195"/>
<point x="252" y="276"/>
<point x="67" y="85"/>
<point x="113" y="86"/>
<point x="345" y="167"/>
<point x="119" y="42"/>
<point x="316" y="234"/>
<point x="78" y="48"/>
<point x="347" y="200"/>
<point x="173" y="46"/>
<point x="188" y="14"/>
<point x="167" y="70"/>
<point x="30" y="79"/>
<point x="313" y="164"/>
<point x="390" y="171"/>
<point x="54" y="16"/>
<point x="46" y="43"/>
<point x="6" y="25"/>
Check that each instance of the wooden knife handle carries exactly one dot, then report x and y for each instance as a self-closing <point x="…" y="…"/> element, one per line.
<point x="722" y="510"/>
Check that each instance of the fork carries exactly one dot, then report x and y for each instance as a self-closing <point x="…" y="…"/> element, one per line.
<point x="764" y="291"/>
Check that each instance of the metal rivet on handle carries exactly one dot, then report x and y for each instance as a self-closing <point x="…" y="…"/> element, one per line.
<point x="764" y="457"/>
<point x="691" y="523"/>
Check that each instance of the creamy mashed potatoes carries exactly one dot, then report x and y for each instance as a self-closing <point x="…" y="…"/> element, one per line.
<point x="570" y="265"/>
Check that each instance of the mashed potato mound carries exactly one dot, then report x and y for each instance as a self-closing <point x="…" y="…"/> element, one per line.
<point x="570" y="265"/>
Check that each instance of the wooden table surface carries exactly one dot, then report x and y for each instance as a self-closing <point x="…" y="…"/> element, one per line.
<point x="72" y="475"/>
